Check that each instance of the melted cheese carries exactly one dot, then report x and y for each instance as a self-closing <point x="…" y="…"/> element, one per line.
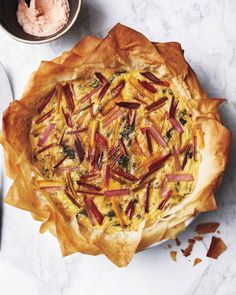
<point x="81" y="118"/>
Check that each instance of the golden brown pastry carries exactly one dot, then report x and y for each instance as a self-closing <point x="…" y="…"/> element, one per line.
<point x="114" y="145"/>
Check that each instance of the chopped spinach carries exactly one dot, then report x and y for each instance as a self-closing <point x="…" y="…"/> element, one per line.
<point x="189" y="154"/>
<point x="116" y="74"/>
<point x="127" y="130"/>
<point x="169" y="133"/>
<point x="183" y="121"/>
<point x="83" y="212"/>
<point x="94" y="84"/>
<point x="68" y="151"/>
<point x="124" y="161"/>
<point x="138" y="216"/>
<point x="182" y="113"/>
<point x="135" y="201"/>
<point x="177" y="186"/>
<point x="111" y="214"/>
<point x="115" y="224"/>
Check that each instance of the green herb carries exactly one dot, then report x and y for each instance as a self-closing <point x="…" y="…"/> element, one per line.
<point x="189" y="154"/>
<point x="115" y="224"/>
<point x="94" y="84"/>
<point x="83" y="212"/>
<point x="169" y="133"/>
<point x="182" y="113"/>
<point x="127" y="131"/>
<point x="124" y="161"/>
<point x="69" y="152"/>
<point x="138" y="216"/>
<point x="170" y="91"/>
<point x="183" y="121"/>
<point x="116" y="74"/>
<point x="177" y="185"/>
<point x="135" y="201"/>
<point x="111" y="214"/>
<point x="164" y="90"/>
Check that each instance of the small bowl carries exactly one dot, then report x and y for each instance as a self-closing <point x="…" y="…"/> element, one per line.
<point x="9" y="23"/>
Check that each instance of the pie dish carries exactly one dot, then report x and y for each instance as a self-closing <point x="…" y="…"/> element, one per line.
<point x="114" y="145"/>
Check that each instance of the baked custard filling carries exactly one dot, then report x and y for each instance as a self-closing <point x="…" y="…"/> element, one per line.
<point x="116" y="148"/>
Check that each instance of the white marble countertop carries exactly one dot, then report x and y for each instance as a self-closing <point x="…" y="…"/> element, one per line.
<point x="30" y="263"/>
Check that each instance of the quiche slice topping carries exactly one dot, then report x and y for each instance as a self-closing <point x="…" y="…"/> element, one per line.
<point x="116" y="148"/>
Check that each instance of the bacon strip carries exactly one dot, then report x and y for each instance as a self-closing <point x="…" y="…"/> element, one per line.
<point x="69" y="98"/>
<point x="120" y="172"/>
<point x="117" y="192"/>
<point x="157" y="136"/>
<point x="103" y="91"/>
<point x="156" y="104"/>
<point x="45" y="148"/>
<point x="67" y="118"/>
<point x="116" y="91"/>
<point x="45" y="116"/>
<point x="45" y="135"/>
<point x="106" y="177"/>
<point x="87" y="96"/>
<point x="175" y="123"/>
<point x="72" y="199"/>
<point x="148" y="86"/>
<point x="176" y="158"/>
<point x="90" y="175"/>
<point x="130" y="209"/>
<point x="195" y="148"/>
<point x="97" y="214"/>
<point x="101" y="78"/>
<point x="149" y="142"/>
<point x="147" y="198"/>
<point x="88" y="185"/>
<point x="164" y="189"/>
<point x="77" y="131"/>
<point x="86" y="192"/>
<point x="185" y="158"/>
<point x="101" y="140"/>
<point x="154" y="79"/>
<point x="179" y="177"/>
<point x="60" y="162"/>
<point x="128" y="105"/>
<point x="79" y="150"/>
<point x="89" y="211"/>
<point x="46" y="101"/>
<point x="163" y="203"/>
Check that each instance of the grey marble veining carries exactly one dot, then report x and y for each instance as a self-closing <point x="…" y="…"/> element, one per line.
<point x="32" y="263"/>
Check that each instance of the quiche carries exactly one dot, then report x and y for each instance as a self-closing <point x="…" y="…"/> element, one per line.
<point x="114" y="145"/>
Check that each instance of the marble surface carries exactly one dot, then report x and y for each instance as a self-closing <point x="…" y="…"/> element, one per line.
<point x="31" y="263"/>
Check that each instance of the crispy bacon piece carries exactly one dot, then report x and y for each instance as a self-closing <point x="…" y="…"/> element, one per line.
<point x="198" y="238"/>
<point x="69" y="97"/>
<point x="101" y="78"/>
<point x="185" y="147"/>
<point x="140" y="100"/>
<point x="176" y="158"/>
<point x="51" y="185"/>
<point x="217" y="247"/>
<point x="167" y="197"/>
<point x="164" y="189"/>
<point x="132" y="117"/>
<point x="67" y="118"/>
<point x="134" y="82"/>
<point x="79" y="150"/>
<point x="103" y="91"/>
<point x="100" y="140"/>
<point x="157" y="163"/>
<point x="175" y="123"/>
<point x="139" y="146"/>
<point x="147" y="198"/>
<point x="130" y="209"/>
<point x="148" y="86"/>
<point x="206" y="228"/>
<point x="128" y="105"/>
<point x="149" y="142"/>
<point x="45" y="135"/>
<point x="72" y="199"/>
<point x="142" y="185"/>
<point x="117" y="192"/>
<point x="157" y="136"/>
<point x="89" y="95"/>
<point x="45" y="148"/>
<point x="45" y="116"/>
<point x="109" y="119"/>
<point x="156" y="104"/>
<point x="77" y="131"/>
<point x="179" y="177"/>
<point x="116" y="91"/>
<point x="173" y="107"/>
<point x="109" y="110"/>
<point x="60" y="170"/>
<point x="106" y="177"/>
<point x="86" y="192"/>
<point x="89" y="186"/>
<point x="90" y="175"/>
<point x="154" y="79"/>
<point x="46" y="101"/>
<point x="60" y="162"/>
<point x="121" y="181"/>
<point x="187" y="252"/>
<point x="97" y="214"/>
<point x="126" y="175"/>
<point x="87" y="205"/>
<point x="71" y="185"/>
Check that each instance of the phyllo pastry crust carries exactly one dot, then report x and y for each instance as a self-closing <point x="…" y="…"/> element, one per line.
<point x="114" y="145"/>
